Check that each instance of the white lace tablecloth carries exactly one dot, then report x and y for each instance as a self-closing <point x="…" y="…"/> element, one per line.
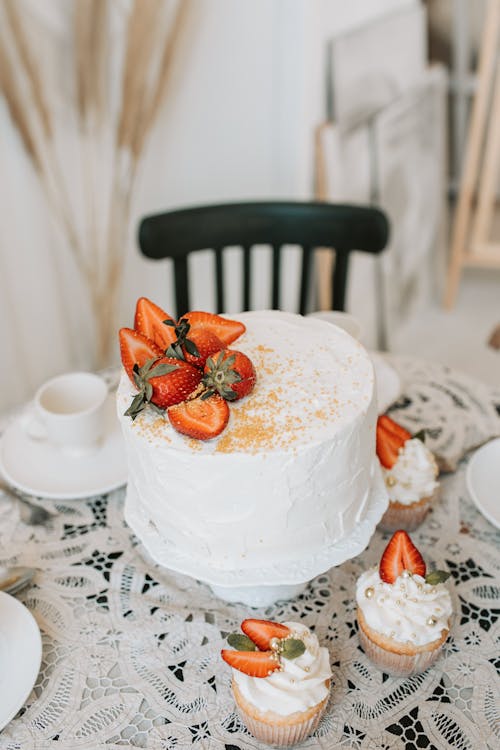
<point x="131" y="651"/>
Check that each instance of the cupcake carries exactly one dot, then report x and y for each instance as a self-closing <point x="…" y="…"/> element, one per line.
<point x="404" y="612"/>
<point x="409" y="471"/>
<point x="281" y="680"/>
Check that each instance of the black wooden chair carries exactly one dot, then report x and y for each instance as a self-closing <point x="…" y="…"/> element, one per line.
<point x="344" y="228"/>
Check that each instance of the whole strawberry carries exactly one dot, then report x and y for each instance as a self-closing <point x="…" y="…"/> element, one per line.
<point x="161" y="381"/>
<point x="229" y="373"/>
<point x="193" y="346"/>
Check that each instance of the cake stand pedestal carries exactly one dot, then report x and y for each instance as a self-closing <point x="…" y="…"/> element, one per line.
<point x="260" y="587"/>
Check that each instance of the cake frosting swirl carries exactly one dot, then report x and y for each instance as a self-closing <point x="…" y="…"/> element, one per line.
<point x="413" y="476"/>
<point x="408" y="610"/>
<point x="299" y="685"/>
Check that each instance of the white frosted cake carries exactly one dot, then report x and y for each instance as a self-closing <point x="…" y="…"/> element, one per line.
<point x="292" y="471"/>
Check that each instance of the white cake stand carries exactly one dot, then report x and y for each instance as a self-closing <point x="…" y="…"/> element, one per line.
<point x="259" y="587"/>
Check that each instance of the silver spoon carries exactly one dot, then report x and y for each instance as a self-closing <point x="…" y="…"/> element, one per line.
<point x="13" y="580"/>
<point x="31" y="514"/>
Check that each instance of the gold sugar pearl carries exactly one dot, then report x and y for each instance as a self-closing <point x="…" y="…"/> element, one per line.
<point x="274" y="643"/>
<point x="390" y="481"/>
<point x="369" y="592"/>
<point x="406" y="574"/>
<point x="431" y="621"/>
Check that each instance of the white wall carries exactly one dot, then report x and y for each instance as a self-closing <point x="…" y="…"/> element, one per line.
<point x="249" y="91"/>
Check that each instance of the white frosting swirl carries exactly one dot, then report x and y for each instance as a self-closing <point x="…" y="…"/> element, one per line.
<point x="413" y="476"/>
<point x="408" y="610"/>
<point x="301" y="684"/>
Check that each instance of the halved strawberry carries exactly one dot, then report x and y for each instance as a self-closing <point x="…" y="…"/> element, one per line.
<point x="136" y="349"/>
<point x="261" y="632"/>
<point x="227" y="330"/>
<point x="229" y="373"/>
<point x="149" y="320"/>
<point x="388" y="444"/>
<point x="400" y="554"/>
<point x="252" y="663"/>
<point x="387" y="449"/>
<point x="391" y="426"/>
<point x="200" y="418"/>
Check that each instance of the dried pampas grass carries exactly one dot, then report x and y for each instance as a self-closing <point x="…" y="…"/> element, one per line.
<point x="153" y="30"/>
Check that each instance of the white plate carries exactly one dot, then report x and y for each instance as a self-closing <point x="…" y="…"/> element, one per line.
<point x="40" y="469"/>
<point x="20" y="656"/>
<point x="483" y="480"/>
<point x="388" y="382"/>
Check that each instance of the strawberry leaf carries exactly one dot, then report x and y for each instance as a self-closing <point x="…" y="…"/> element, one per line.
<point x="161" y="369"/>
<point x="241" y="642"/>
<point x="420" y="435"/>
<point x="292" y="648"/>
<point x="436" y="576"/>
<point x="138" y="404"/>
<point x="191" y="348"/>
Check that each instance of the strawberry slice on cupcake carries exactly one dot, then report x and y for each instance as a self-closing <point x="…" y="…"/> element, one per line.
<point x="404" y="612"/>
<point x="280" y="679"/>
<point x="410" y="473"/>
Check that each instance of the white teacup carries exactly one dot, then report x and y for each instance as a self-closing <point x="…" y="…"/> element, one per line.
<point x="68" y="412"/>
<point x="343" y="320"/>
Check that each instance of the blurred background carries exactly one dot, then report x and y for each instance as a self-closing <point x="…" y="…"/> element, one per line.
<point x="111" y="110"/>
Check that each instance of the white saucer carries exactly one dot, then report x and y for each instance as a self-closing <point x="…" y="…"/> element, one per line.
<point x="388" y="382"/>
<point x="483" y="480"/>
<point x="20" y="656"/>
<point x="38" y="468"/>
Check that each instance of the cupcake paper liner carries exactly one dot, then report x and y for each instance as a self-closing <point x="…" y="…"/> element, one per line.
<point x="275" y="729"/>
<point x="280" y="736"/>
<point x="407" y="517"/>
<point x="398" y="665"/>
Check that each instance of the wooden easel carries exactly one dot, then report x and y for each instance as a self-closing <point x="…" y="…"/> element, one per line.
<point x="471" y="243"/>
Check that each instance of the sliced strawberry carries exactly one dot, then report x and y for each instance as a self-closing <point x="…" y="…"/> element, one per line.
<point x="136" y="349"/>
<point x="229" y="373"/>
<point x="200" y="418"/>
<point x="400" y="554"/>
<point x="227" y="330"/>
<point x="388" y="444"/>
<point x="387" y="449"/>
<point x="391" y="426"/>
<point x="149" y="320"/>
<point x="252" y="663"/>
<point x="261" y="632"/>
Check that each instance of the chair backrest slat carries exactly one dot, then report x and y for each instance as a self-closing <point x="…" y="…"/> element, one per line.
<point x="247" y="276"/>
<point x="340" y="279"/>
<point x="219" y="280"/>
<point x="305" y="278"/>
<point x="310" y="225"/>
<point x="276" y="277"/>
<point x="181" y="285"/>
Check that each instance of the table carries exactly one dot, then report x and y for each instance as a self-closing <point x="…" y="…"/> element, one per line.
<point x="131" y="651"/>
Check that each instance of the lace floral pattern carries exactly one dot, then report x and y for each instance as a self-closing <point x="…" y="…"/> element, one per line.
<point x="131" y="650"/>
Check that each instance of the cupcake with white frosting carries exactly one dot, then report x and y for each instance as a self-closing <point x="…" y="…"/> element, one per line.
<point x="281" y="680"/>
<point x="410" y="471"/>
<point x="404" y="613"/>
